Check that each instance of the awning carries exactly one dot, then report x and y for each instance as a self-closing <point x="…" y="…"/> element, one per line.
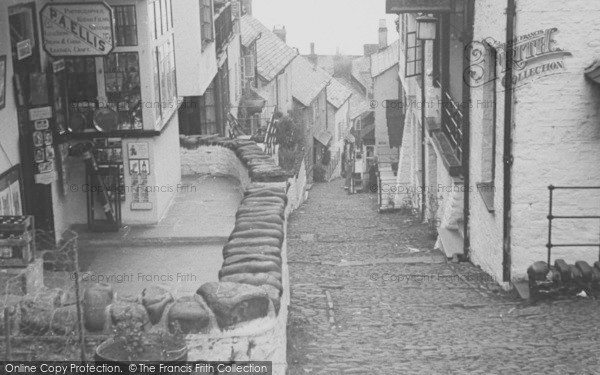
<point x="416" y="6"/>
<point x="323" y="137"/>
<point x="592" y="72"/>
<point x="350" y="138"/>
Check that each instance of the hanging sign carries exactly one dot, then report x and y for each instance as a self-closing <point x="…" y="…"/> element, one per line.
<point x="77" y="29"/>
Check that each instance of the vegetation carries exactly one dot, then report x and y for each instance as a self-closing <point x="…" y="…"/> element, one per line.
<point x="290" y="137"/>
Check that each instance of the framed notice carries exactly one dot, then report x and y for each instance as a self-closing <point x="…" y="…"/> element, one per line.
<point x="24" y="49"/>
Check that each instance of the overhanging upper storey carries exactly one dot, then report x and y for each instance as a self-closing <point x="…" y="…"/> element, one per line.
<point x="418" y="6"/>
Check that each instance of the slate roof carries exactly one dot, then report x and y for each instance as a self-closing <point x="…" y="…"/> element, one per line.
<point x="385" y="59"/>
<point x="308" y="80"/>
<point x="358" y="102"/>
<point x="273" y="55"/>
<point x="361" y="71"/>
<point x="337" y="93"/>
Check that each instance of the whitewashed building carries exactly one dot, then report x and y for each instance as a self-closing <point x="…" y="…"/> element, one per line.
<point x="495" y="138"/>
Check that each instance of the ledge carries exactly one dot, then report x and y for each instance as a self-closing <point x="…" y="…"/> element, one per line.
<point x="449" y="159"/>
<point x="486" y="190"/>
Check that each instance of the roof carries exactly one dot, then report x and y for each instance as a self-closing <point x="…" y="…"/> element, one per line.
<point x="308" y="80"/>
<point x="358" y="101"/>
<point x="361" y="71"/>
<point x="337" y="93"/>
<point x="273" y="55"/>
<point x="385" y="59"/>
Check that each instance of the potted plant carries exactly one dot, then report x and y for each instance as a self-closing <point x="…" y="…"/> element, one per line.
<point x="131" y="343"/>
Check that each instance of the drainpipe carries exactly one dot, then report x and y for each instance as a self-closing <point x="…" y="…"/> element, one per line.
<point x="466" y="156"/>
<point x="423" y="173"/>
<point x="508" y="158"/>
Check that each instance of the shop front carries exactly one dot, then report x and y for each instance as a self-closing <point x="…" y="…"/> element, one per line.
<point x="96" y="97"/>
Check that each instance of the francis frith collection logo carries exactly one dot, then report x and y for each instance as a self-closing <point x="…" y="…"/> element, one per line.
<point x="535" y="55"/>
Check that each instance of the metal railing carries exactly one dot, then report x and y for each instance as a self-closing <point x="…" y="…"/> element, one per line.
<point x="552" y="217"/>
<point x="452" y="123"/>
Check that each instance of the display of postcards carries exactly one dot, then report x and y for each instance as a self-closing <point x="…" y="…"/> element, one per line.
<point x="48" y="139"/>
<point x="45" y="167"/>
<point x="134" y="167"/>
<point x="100" y="142"/>
<point x="49" y="153"/>
<point x="39" y="155"/>
<point x="38" y="139"/>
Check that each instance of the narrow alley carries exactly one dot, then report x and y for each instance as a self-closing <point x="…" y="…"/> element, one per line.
<point x="369" y="295"/>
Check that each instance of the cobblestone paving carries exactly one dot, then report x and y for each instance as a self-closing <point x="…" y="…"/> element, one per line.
<point x="371" y="296"/>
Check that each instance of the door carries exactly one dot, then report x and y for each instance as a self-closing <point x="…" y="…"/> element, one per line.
<point x="37" y="199"/>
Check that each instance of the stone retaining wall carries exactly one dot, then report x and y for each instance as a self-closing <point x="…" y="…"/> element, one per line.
<point x="243" y="317"/>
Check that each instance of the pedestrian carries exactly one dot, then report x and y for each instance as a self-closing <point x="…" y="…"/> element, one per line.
<point x="349" y="173"/>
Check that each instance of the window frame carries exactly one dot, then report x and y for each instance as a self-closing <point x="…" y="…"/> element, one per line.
<point x="206" y="23"/>
<point x="416" y="62"/>
<point x="118" y="27"/>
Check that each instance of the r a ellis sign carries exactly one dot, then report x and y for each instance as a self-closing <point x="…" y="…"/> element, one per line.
<point x="77" y="29"/>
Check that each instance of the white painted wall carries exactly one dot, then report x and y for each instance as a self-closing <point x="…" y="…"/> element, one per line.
<point x="196" y="68"/>
<point x="556" y="140"/>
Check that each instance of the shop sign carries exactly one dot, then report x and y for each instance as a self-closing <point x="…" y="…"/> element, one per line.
<point x="58" y="66"/>
<point x="77" y="29"/>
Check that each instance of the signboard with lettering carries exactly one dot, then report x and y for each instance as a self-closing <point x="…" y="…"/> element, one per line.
<point x="77" y="29"/>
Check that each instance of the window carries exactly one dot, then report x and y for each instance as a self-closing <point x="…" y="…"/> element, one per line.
<point x="358" y="124"/>
<point x="206" y="22"/>
<point x="167" y="86"/>
<point x="123" y="88"/>
<point x="248" y="67"/>
<point x="413" y="55"/>
<point x="488" y="105"/>
<point x="125" y="25"/>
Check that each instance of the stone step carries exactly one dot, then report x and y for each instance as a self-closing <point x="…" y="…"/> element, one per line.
<point x="452" y="242"/>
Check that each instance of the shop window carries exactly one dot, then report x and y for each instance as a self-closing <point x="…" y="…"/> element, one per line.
<point x="206" y="22"/>
<point x="167" y="86"/>
<point x="123" y="88"/>
<point x="413" y="55"/>
<point x="82" y="87"/>
<point x="125" y="25"/>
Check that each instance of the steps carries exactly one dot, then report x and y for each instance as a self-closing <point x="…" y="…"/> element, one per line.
<point x="386" y="189"/>
<point x="560" y="279"/>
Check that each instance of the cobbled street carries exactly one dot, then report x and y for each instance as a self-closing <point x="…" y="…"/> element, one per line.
<point x="369" y="295"/>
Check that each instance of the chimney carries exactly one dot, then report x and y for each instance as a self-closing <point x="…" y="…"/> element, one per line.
<point x="280" y="32"/>
<point x="383" y="34"/>
<point x="246" y="7"/>
<point x="312" y="48"/>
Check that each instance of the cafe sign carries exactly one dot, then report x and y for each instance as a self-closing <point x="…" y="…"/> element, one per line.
<point x="77" y="29"/>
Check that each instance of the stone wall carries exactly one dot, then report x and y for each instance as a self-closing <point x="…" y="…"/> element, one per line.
<point x="243" y="317"/>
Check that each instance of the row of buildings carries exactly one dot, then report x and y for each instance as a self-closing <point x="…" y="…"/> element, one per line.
<point x="94" y="96"/>
<point x="498" y="109"/>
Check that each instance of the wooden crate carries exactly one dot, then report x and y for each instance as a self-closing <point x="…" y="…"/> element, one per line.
<point x="17" y="241"/>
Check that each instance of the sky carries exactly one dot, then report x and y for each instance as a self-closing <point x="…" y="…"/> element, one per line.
<point x="330" y="24"/>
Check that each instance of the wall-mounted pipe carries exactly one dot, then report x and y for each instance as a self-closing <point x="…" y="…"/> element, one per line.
<point x="508" y="158"/>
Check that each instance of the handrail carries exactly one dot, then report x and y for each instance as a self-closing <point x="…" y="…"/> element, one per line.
<point x="452" y="123"/>
<point x="552" y="217"/>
